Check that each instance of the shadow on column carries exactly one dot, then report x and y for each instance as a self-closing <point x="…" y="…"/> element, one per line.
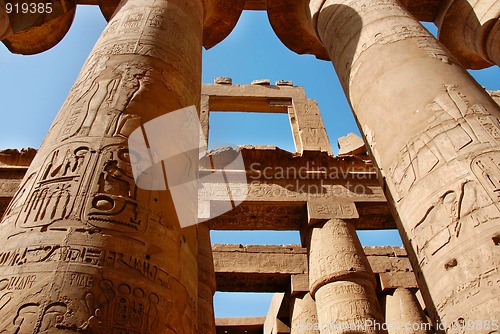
<point x="344" y="27"/>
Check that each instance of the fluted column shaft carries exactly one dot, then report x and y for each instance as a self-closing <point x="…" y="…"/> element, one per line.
<point x="434" y="135"/>
<point x="341" y="280"/>
<point x="82" y="248"/>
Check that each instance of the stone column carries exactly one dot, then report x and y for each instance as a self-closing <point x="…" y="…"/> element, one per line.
<point x="206" y="282"/>
<point x="470" y="29"/>
<point x="403" y="314"/>
<point x="5" y="28"/>
<point x="304" y="317"/>
<point x="341" y="280"/>
<point x="434" y="135"/>
<point x="82" y="248"/>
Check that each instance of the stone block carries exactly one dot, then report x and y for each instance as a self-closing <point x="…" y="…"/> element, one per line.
<point x="261" y="82"/>
<point x="284" y="83"/>
<point x="351" y="144"/>
<point x="223" y="81"/>
<point x="394" y="280"/>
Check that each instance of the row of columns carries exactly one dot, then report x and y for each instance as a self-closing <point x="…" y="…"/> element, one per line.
<point x="102" y="255"/>
<point x="341" y="296"/>
<point x="434" y="135"/>
<point x="403" y="315"/>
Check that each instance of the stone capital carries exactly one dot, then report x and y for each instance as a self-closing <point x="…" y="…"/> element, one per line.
<point x="29" y="34"/>
<point x="468" y="29"/>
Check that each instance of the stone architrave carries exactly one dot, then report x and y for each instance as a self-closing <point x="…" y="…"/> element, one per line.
<point x="403" y="314"/>
<point x="83" y="250"/>
<point x="434" y="135"/>
<point x="341" y="280"/>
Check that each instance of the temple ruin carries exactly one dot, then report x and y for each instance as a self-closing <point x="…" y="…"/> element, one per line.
<point x="84" y="249"/>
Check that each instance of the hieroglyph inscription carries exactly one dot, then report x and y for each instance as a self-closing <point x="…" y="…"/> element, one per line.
<point x="53" y="195"/>
<point x="454" y="126"/>
<point x="84" y="255"/>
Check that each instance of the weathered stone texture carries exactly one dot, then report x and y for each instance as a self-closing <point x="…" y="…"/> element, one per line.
<point x="404" y="315"/>
<point x="248" y="325"/>
<point x="351" y="144"/>
<point x="304" y="315"/>
<point x="89" y="251"/>
<point x="340" y="278"/>
<point x="434" y="134"/>
<point x="83" y="248"/>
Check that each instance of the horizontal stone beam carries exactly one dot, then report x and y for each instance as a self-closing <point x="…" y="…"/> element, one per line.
<point x="267" y="268"/>
<point x="246" y="325"/>
<point x="280" y="186"/>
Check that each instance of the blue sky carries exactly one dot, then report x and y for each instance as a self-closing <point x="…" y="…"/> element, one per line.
<point x="33" y="88"/>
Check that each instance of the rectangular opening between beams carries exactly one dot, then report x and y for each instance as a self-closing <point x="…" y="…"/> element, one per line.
<point x="250" y="128"/>
<point x="241" y="304"/>
<point x="256" y="237"/>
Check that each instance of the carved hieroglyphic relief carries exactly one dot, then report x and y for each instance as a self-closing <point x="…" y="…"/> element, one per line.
<point x="435" y="50"/>
<point x="57" y="187"/>
<point x="451" y="129"/>
<point x="101" y="103"/>
<point x="38" y="318"/>
<point x="124" y="308"/>
<point x="329" y="210"/>
<point x="348" y="304"/>
<point x="113" y="201"/>
<point x="486" y="167"/>
<point x="443" y="220"/>
<point x="83" y="249"/>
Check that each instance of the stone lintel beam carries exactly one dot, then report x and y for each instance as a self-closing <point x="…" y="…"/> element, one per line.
<point x="13" y="166"/>
<point x="280" y="184"/>
<point x="255" y="98"/>
<point x="285" y="216"/>
<point x="246" y="325"/>
<point x="495" y="94"/>
<point x="269" y="204"/>
<point x="256" y="268"/>
<point x="307" y="125"/>
<point x="13" y="158"/>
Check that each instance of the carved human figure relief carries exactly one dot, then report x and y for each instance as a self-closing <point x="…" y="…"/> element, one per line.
<point x="486" y="167"/>
<point x="39" y="318"/>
